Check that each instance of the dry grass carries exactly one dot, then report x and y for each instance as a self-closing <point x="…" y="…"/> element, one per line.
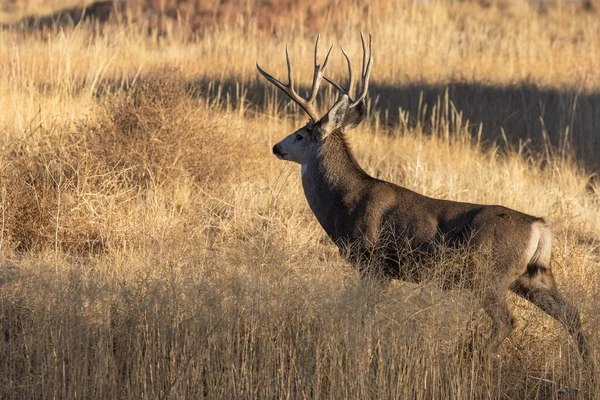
<point x="151" y="247"/>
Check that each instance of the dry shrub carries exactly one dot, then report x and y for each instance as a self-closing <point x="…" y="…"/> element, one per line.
<point x="61" y="184"/>
<point x="54" y="193"/>
<point x="155" y="134"/>
<point x="33" y="178"/>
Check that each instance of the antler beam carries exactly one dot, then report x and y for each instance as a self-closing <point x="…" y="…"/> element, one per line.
<point x="306" y="104"/>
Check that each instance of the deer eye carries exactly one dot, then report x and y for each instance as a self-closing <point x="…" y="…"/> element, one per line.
<point x="299" y="137"/>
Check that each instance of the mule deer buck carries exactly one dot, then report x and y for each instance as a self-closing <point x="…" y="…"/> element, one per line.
<point x="368" y="218"/>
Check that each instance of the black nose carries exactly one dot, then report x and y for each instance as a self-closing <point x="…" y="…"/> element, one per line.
<point x="277" y="152"/>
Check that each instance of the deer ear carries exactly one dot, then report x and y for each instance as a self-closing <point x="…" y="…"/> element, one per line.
<point x="334" y="119"/>
<point x="354" y="116"/>
<point x="341" y="116"/>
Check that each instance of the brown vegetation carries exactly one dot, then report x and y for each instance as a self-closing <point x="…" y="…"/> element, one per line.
<point x="195" y="15"/>
<point x="151" y="246"/>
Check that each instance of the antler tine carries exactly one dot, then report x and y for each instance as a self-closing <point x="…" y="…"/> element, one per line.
<point x="365" y="73"/>
<point x="348" y="90"/>
<point x="290" y="69"/>
<point x="318" y="74"/>
<point x="288" y="88"/>
<point x="366" y="68"/>
<point x="364" y="47"/>
<point x="350" y="77"/>
<point x="317" y="49"/>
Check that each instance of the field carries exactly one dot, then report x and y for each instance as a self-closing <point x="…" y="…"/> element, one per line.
<point x="151" y="246"/>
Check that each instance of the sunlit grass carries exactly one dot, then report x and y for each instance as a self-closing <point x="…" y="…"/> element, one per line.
<point x="152" y="247"/>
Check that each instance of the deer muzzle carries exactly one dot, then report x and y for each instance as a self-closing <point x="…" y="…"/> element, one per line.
<point x="277" y="151"/>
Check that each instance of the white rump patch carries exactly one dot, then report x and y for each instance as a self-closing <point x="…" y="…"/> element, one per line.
<point x="532" y="246"/>
<point x="540" y="244"/>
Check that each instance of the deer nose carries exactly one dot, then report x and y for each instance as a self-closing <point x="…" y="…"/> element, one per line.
<point x="278" y="152"/>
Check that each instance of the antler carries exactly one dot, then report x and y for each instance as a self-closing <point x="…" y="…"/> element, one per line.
<point x="306" y="104"/>
<point x="366" y="72"/>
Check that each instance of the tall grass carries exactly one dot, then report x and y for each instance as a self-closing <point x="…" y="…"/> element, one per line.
<point x="151" y="247"/>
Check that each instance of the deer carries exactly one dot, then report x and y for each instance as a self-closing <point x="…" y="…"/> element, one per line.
<point x="371" y="219"/>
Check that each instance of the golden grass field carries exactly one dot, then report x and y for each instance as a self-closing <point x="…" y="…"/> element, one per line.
<point x="151" y="246"/>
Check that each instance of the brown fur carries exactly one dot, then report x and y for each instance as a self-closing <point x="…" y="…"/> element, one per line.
<point x="356" y="209"/>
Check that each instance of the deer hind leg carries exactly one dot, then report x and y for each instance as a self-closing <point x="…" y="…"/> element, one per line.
<point x="538" y="286"/>
<point x="503" y="322"/>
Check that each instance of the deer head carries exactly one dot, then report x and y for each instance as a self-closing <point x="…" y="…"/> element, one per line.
<point x="345" y="114"/>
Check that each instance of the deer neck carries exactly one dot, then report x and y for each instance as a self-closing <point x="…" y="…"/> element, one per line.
<point x="333" y="181"/>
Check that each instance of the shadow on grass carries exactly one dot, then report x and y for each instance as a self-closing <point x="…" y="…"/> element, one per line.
<point x="567" y="120"/>
<point x="101" y="11"/>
